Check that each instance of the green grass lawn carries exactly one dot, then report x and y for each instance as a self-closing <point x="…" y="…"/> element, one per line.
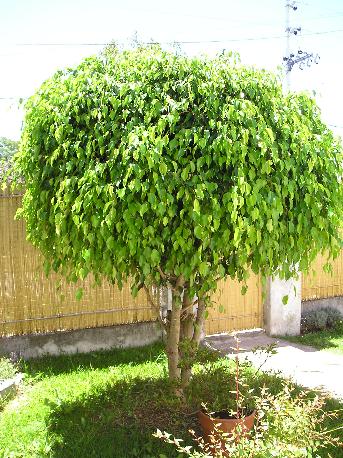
<point x="108" y="404"/>
<point x="331" y="339"/>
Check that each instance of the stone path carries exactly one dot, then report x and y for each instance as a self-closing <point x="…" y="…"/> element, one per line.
<point x="305" y="365"/>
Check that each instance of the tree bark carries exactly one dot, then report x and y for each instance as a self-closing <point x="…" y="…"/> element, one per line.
<point x="184" y="328"/>
<point x="187" y="331"/>
<point x="199" y="322"/>
<point x="173" y="333"/>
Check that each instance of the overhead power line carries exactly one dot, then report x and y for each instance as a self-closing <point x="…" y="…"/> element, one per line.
<point x="335" y="125"/>
<point x="270" y="37"/>
<point x="323" y="32"/>
<point x="326" y="8"/>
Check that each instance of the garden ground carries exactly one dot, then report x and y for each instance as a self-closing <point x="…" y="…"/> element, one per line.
<point x="108" y="404"/>
<point x="329" y="339"/>
<point x="306" y="365"/>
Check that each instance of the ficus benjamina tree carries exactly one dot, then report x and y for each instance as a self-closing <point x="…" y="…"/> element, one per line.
<point x="176" y="171"/>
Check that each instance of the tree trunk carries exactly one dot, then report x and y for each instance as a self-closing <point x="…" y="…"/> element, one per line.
<point x="173" y="334"/>
<point x="199" y="322"/>
<point x="192" y="327"/>
<point x="184" y="328"/>
<point x="187" y="331"/>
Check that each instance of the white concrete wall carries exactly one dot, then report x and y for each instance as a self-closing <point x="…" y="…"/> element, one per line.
<point x="282" y="319"/>
<point x="332" y="302"/>
<point x="81" y="340"/>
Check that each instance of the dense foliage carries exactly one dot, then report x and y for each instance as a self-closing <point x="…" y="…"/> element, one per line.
<point x="198" y="166"/>
<point x="177" y="170"/>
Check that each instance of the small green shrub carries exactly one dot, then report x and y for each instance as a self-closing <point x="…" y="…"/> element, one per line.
<point x="334" y="317"/>
<point x="320" y="319"/>
<point x="284" y="428"/>
<point x="314" y="320"/>
<point x="7" y="369"/>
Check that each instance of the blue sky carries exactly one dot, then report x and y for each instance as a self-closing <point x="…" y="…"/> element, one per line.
<point x="254" y="28"/>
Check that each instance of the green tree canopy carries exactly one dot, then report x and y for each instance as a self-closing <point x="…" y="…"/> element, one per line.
<point x="177" y="170"/>
<point x="8" y="148"/>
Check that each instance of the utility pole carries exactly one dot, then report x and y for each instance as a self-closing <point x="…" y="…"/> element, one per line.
<point x="288" y="49"/>
<point x="302" y="58"/>
<point x="280" y="317"/>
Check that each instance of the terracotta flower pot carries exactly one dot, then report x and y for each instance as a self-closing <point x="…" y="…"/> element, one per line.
<point x="223" y="422"/>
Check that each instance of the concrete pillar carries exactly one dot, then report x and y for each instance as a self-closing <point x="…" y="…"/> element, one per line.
<point x="282" y="319"/>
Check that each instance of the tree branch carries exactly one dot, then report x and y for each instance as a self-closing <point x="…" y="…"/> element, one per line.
<point x="184" y="312"/>
<point x="156" y="307"/>
<point x="163" y="275"/>
<point x="199" y="321"/>
<point x="179" y="282"/>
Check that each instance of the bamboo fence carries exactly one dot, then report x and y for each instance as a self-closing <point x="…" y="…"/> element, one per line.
<point x="318" y="284"/>
<point x="233" y="311"/>
<point x="32" y="303"/>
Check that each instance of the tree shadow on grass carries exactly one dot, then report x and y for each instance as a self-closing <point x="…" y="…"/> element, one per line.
<point x="48" y="366"/>
<point x="118" y="417"/>
<point x="119" y="422"/>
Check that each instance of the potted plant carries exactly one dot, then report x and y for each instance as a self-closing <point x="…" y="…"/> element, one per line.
<point x="237" y="421"/>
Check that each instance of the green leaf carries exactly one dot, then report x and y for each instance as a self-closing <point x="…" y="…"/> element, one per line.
<point x="110" y="242"/>
<point x="244" y="290"/>
<point x="79" y="294"/>
<point x="269" y="225"/>
<point x="270" y="134"/>
<point x="143" y="208"/>
<point x="86" y="254"/>
<point x="121" y="193"/>
<point x="285" y="300"/>
<point x="134" y="291"/>
<point x="180" y="193"/>
<point x="203" y="269"/>
<point x="255" y="213"/>
<point x="184" y="174"/>
<point x="95" y="220"/>
<point x="155" y="257"/>
<point x="216" y="223"/>
<point x="163" y="168"/>
<point x="196" y="206"/>
<point x="198" y="232"/>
